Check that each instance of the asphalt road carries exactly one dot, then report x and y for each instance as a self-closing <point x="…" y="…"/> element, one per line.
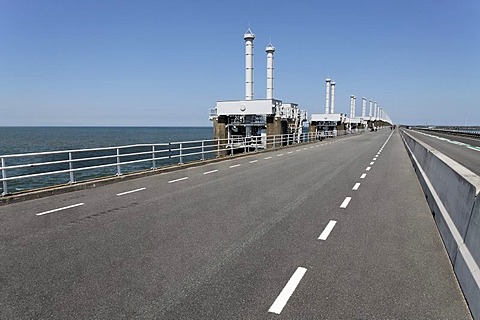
<point x="330" y="230"/>
<point x="463" y="150"/>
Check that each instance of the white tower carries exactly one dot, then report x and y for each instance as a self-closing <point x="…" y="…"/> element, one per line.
<point x="370" y="110"/>
<point x="352" y="106"/>
<point x="332" y="107"/>
<point x="249" y="36"/>
<point x="270" y="50"/>
<point x="327" y="98"/>
<point x="364" y="107"/>
<point x="375" y="110"/>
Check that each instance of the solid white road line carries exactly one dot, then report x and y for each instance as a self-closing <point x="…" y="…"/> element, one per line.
<point x="268" y="158"/>
<point x="287" y="291"/>
<point x="235" y="165"/>
<point x="363" y="176"/>
<point x="368" y="168"/>
<point x="327" y="230"/>
<point x="60" y="209"/>
<point x="131" y="191"/>
<point x="355" y="187"/>
<point x="208" y="172"/>
<point x="253" y="161"/>
<point x="345" y="202"/>
<point x="176" y="180"/>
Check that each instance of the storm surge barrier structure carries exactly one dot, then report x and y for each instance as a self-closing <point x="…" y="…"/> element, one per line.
<point x="25" y="172"/>
<point x="453" y="194"/>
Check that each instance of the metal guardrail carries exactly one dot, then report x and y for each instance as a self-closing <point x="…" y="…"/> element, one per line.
<point x="463" y="133"/>
<point x="44" y="169"/>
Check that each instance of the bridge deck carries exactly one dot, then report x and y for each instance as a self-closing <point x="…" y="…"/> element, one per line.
<point x="222" y="241"/>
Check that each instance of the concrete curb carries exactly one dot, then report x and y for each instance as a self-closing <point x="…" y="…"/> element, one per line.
<point x="452" y="194"/>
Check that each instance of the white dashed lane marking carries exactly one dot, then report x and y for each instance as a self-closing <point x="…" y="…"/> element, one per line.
<point x="131" y="191"/>
<point x="60" y="209"/>
<point x="326" y="232"/>
<point x="177" y="180"/>
<point x="287" y="291"/>
<point x="208" y="172"/>
<point x="345" y="202"/>
<point x="356" y="186"/>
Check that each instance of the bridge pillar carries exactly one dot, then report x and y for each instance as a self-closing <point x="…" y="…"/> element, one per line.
<point x="220" y="134"/>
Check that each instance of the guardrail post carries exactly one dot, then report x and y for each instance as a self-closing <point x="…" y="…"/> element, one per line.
<point x="119" y="170"/>
<point x="4" y="176"/>
<point x="154" y="163"/>
<point x="218" y="149"/>
<point x="70" y="166"/>
<point x="203" y="149"/>
<point x="273" y="141"/>
<point x="245" y="145"/>
<point x="181" y="154"/>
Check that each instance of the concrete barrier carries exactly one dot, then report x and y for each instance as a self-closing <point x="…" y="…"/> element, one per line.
<point x="452" y="192"/>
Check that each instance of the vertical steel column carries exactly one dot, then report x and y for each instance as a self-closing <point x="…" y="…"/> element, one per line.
<point x="154" y="164"/>
<point x="70" y="165"/>
<point x="119" y="170"/>
<point x="181" y="154"/>
<point x="4" y="176"/>
<point x="203" y="150"/>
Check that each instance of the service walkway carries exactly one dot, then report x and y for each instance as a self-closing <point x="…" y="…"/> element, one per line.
<point x="332" y="230"/>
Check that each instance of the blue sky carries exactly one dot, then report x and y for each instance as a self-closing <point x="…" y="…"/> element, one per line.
<point x="166" y="63"/>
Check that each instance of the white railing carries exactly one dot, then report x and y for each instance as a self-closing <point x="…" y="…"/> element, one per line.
<point x="43" y="169"/>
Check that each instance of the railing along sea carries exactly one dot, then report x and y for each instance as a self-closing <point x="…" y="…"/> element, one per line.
<point x="23" y="172"/>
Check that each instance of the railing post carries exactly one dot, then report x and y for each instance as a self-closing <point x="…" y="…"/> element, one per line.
<point x="245" y="145"/>
<point x="203" y="149"/>
<point x="119" y="170"/>
<point x="154" y="163"/>
<point x="70" y="166"/>
<point x="273" y="141"/>
<point x="218" y="148"/>
<point x="181" y="153"/>
<point x="4" y="176"/>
